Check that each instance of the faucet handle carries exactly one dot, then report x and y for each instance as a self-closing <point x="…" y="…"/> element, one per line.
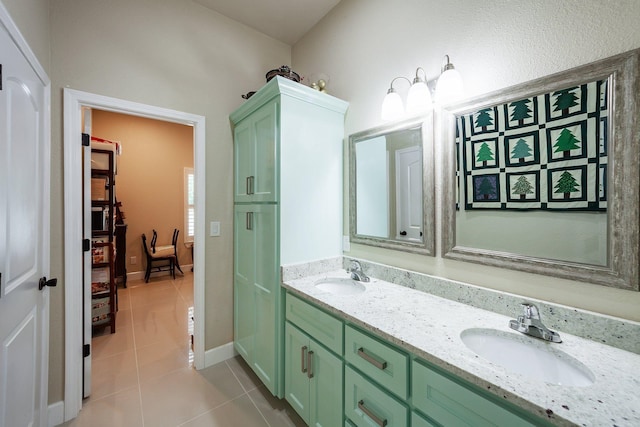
<point x="354" y="266"/>
<point x="530" y="311"/>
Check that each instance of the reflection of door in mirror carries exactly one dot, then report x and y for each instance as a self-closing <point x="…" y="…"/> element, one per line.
<point x="409" y="193"/>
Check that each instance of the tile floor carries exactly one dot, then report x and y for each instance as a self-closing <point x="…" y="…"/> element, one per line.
<point x="143" y="375"/>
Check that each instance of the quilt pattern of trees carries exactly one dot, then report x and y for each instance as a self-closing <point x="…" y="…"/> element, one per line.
<point x="544" y="152"/>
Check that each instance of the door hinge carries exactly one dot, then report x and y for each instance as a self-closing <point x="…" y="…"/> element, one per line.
<point x="86" y="350"/>
<point x="86" y="245"/>
<point x="86" y="139"/>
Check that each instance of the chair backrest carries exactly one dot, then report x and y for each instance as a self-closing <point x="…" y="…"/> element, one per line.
<point x="174" y="240"/>
<point x="154" y="238"/>
<point x="144" y="245"/>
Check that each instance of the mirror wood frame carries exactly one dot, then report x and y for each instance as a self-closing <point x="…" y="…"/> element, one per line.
<point x="427" y="246"/>
<point x="622" y="269"/>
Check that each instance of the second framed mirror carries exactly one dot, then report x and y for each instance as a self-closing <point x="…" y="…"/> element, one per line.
<point x="391" y="193"/>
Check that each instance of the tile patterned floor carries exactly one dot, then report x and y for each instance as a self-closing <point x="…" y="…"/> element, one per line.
<point x="143" y="374"/>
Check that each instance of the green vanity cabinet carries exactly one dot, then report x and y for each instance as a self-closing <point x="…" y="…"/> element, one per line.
<point x="257" y="290"/>
<point x="313" y="363"/>
<point x="287" y="208"/>
<point x="313" y="379"/>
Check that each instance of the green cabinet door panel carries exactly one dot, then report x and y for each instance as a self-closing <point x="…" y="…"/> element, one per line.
<point x="296" y="381"/>
<point x="256" y="141"/>
<point x="451" y="403"/>
<point x="366" y="405"/>
<point x="326" y="388"/>
<point x="257" y="301"/>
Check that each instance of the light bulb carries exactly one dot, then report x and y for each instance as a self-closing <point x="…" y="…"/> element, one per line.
<point x="392" y="108"/>
<point x="449" y="87"/>
<point x="419" y="98"/>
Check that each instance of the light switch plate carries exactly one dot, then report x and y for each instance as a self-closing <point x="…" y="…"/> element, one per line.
<point x="346" y="244"/>
<point x="214" y="228"/>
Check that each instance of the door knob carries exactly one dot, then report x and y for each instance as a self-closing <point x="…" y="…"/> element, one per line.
<point x="44" y="282"/>
<point x="403" y="233"/>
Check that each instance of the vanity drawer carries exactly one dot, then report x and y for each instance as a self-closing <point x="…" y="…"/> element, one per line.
<point x="367" y="405"/>
<point x="323" y="327"/>
<point x="378" y="360"/>
<point x="418" y="420"/>
<point x="452" y="404"/>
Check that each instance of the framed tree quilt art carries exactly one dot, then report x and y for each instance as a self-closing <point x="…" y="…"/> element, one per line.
<point x="547" y="151"/>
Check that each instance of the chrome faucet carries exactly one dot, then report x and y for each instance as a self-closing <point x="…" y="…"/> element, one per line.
<point x="356" y="272"/>
<point x="530" y="324"/>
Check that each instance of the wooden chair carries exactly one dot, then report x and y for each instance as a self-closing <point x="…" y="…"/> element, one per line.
<point x="167" y="249"/>
<point x="154" y="259"/>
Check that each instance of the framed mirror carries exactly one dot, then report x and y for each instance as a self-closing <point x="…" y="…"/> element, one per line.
<point x="391" y="186"/>
<point x="543" y="177"/>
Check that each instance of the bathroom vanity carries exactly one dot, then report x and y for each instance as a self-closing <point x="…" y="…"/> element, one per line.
<point x="405" y="363"/>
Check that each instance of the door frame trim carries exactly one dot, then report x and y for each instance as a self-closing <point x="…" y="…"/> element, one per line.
<point x="74" y="100"/>
<point x="21" y="43"/>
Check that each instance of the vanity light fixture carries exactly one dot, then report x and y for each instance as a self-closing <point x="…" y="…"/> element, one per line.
<point x="392" y="108"/>
<point x="448" y="89"/>
<point x="419" y="97"/>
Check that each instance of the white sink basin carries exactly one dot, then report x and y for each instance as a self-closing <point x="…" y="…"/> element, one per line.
<point x="340" y="286"/>
<point x="536" y="359"/>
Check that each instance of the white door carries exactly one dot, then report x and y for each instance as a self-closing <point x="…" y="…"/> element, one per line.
<point x="24" y="242"/>
<point x="409" y="193"/>
<point x="86" y="255"/>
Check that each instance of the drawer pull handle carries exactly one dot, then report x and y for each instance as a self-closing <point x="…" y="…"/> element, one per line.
<point x="303" y="355"/>
<point x="378" y="364"/>
<point x="368" y="413"/>
<point x="310" y="364"/>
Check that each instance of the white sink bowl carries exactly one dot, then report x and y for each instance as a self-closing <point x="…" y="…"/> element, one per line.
<point x="536" y="359"/>
<point x="340" y="286"/>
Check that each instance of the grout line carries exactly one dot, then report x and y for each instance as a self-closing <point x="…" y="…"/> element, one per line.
<point x="247" y="393"/>
<point x="135" y="351"/>
<point x="259" y="411"/>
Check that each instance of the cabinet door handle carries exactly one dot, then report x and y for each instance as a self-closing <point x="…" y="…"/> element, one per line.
<point x="247" y="185"/>
<point x="303" y="356"/>
<point x="249" y="220"/>
<point x="382" y="365"/>
<point x="310" y="364"/>
<point x="376" y="419"/>
<point x="250" y="184"/>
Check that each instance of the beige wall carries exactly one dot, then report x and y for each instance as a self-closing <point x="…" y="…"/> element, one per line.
<point x="168" y="53"/>
<point x="32" y="19"/>
<point x="363" y="44"/>
<point x="150" y="182"/>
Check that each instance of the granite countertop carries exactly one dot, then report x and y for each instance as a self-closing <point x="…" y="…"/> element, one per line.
<point x="430" y="326"/>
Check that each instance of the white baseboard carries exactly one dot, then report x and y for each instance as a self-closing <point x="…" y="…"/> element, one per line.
<point x="55" y="414"/>
<point x="219" y="354"/>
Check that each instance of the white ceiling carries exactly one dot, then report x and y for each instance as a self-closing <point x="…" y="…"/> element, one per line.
<point x="284" y="20"/>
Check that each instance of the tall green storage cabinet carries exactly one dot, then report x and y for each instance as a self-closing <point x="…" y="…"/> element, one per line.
<point x="288" y="160"/>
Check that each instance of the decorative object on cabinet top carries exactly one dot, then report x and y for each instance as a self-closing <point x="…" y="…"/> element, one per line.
<point x="285" y="72"/>
<point x="282" y="86"/>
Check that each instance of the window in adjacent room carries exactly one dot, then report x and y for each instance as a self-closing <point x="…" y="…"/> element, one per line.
<point x="189" y="208"/>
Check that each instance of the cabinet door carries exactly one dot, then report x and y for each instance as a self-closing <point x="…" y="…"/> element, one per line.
<point x="326" y="388"/>
<point x="243" y="277"/>
<point x="267" y="308"/>
<point x="256" y="156"/>
<point x="296" y="382"/>
<point x="244" y="159"/>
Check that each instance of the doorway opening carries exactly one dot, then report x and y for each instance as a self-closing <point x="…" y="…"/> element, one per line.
<point x="74" y="103"/>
